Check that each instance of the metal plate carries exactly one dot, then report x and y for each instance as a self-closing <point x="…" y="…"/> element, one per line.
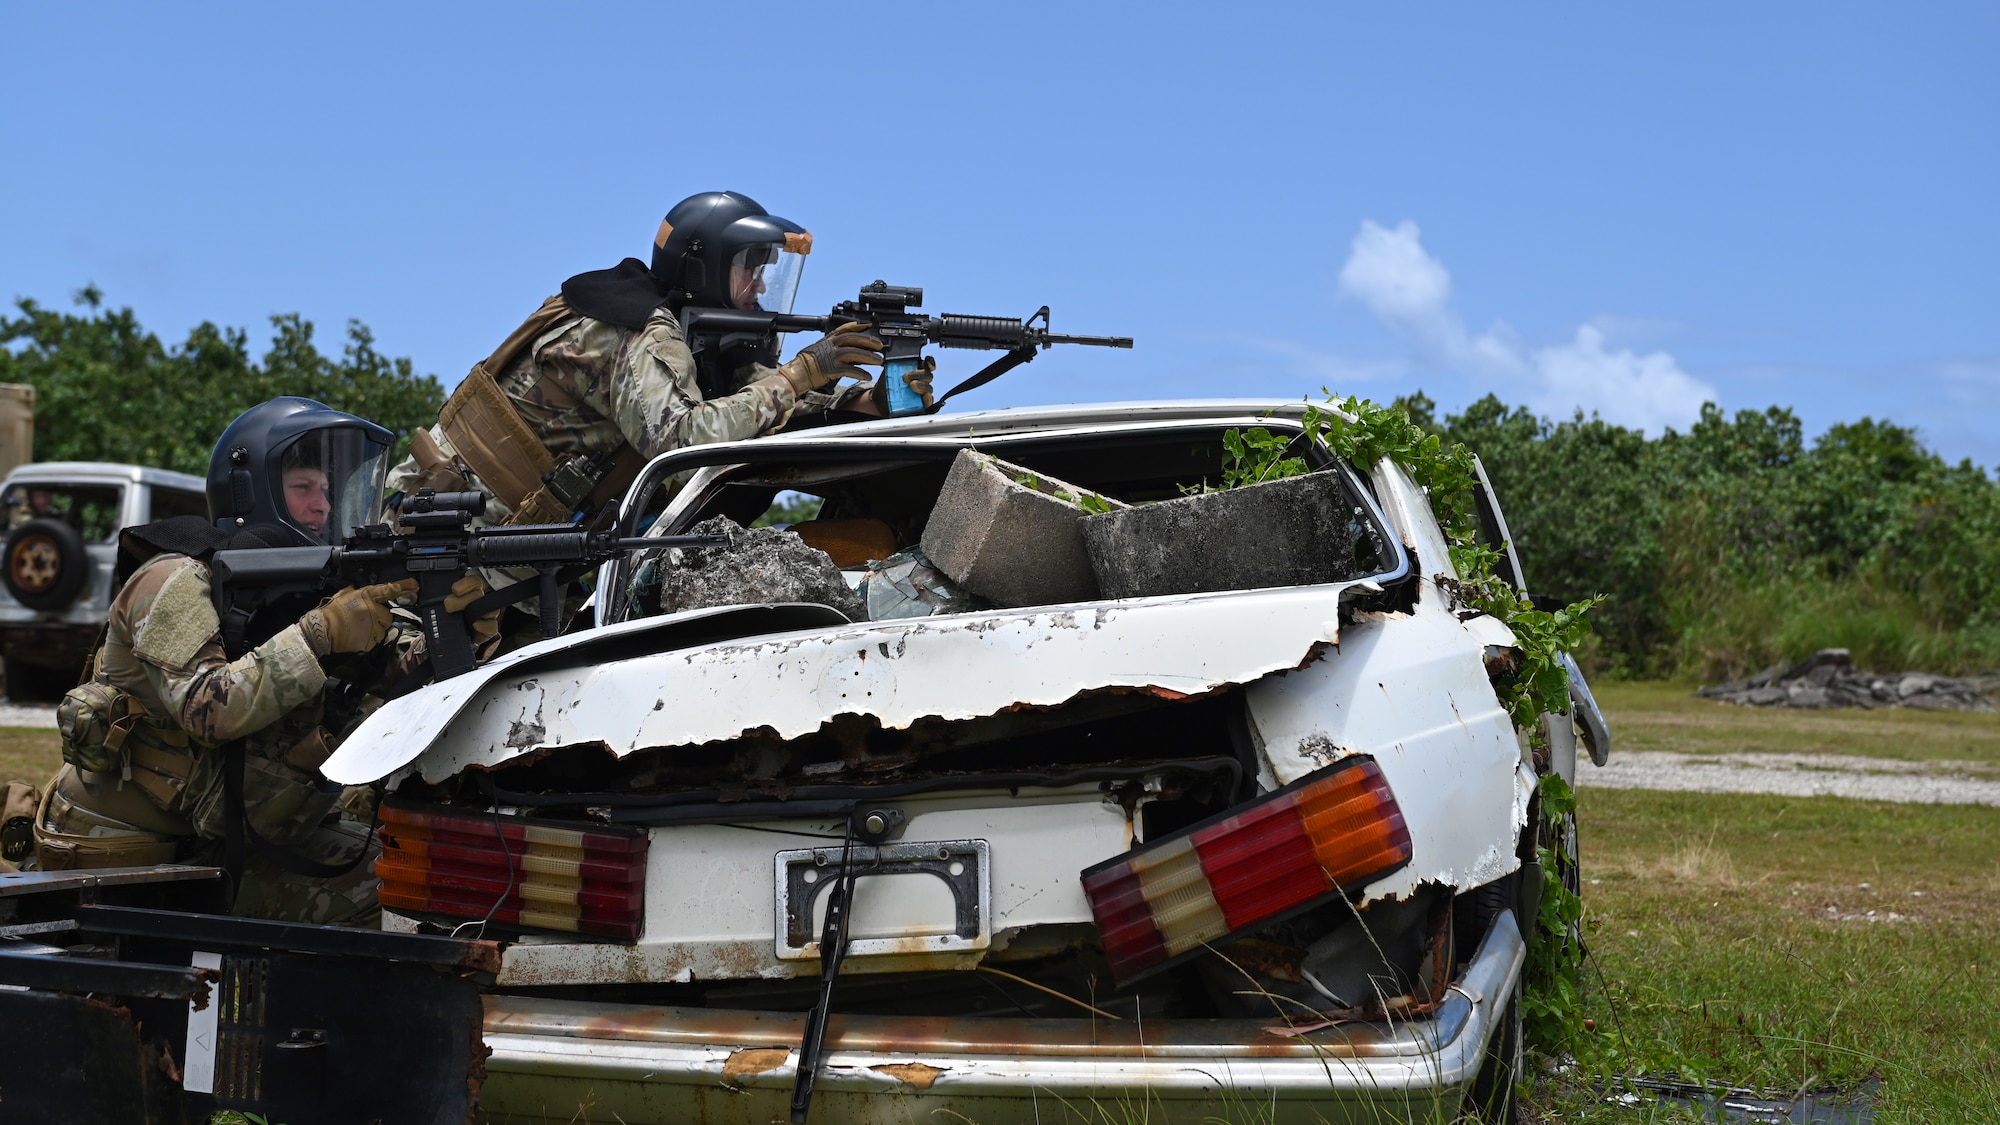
<point x="805" y="874"/>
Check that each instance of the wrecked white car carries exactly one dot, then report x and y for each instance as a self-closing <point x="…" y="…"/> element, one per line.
<point x="980" y="834"/>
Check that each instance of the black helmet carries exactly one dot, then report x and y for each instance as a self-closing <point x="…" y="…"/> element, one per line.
<point x="721" y="250"/>
<point x="300" y="465"/>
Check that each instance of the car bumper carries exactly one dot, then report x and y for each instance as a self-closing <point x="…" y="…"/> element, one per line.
<point x="555" y="1060"/>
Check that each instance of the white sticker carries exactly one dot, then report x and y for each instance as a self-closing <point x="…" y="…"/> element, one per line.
<point x="198" y="1070"/>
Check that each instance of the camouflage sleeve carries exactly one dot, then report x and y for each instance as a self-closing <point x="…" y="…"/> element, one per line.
<point x="658" y="405"/>
<point x="827" y="400"/>
<point x="177" y="651"/>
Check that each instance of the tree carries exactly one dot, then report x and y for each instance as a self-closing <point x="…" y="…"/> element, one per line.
<point x="108" y="390"/>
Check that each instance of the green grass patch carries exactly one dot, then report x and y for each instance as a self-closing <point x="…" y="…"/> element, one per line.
<point x="1667" y="716"/>
<point x="29" y="754"/>
<point x="1791" y="944"/>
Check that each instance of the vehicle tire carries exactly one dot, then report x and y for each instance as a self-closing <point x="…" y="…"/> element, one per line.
<point x="45" y="565"/>
<point x="1492" y="1097"/>
<point x="32" y="683"/>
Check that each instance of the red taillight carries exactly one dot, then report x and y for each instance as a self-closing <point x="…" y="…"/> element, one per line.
<point x="581" y="880"/>
<point x="1325" y="833"/>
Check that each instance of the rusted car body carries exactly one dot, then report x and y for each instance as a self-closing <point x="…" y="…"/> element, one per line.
<point x="718" y="761"/>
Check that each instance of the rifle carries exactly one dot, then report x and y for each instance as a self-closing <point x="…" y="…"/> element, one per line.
<point x="885" y="309"/>
<point x="437" y="548"/>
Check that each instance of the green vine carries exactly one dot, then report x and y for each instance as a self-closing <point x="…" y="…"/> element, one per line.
<point x="1363" y="434"/>
<point x="1551" y="1004"/>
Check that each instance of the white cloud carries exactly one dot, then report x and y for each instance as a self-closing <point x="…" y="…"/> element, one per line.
<point x="1392" y="274"/>
<point x="1409" y="291"/>
<point x="1648" y="391"/>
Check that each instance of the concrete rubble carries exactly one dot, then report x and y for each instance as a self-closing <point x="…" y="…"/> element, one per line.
<point x="1828" y="678"/>
<point x="761" y="566"/>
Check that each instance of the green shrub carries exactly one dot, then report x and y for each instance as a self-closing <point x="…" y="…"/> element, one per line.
<point x="1737" y="545"/>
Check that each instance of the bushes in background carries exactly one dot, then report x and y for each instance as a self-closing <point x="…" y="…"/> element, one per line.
<point x="108" y="390"/>
<point x="1739" y="544"/>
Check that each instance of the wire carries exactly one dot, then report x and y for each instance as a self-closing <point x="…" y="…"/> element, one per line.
<point x="1006" y="995"/>
<point x="1052" y="992"/>
<point x="500" y="830"/>
<point x="785" y="832"/>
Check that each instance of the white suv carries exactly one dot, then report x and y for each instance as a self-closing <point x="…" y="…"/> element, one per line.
<point x="63" y="520"/>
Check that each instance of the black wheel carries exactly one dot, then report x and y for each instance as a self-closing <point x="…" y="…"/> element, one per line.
<point x="1492" y="1097"/>
<point x="45" y="564"/>
<point x="32" y="683"/>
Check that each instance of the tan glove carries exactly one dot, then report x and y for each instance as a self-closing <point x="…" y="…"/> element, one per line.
<point x="918" y="379"/>
<point x="834" y="356"/>
<point x="354" y="620"/>
<point x="464" y="592"/>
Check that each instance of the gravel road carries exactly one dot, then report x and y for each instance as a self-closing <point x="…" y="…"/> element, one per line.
<point x="1794" y="775"/>
<point x="27" y="715"/>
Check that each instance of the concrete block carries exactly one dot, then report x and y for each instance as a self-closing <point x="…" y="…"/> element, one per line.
<point x="1012" y="543"/>
<point x="1291" y="532"/>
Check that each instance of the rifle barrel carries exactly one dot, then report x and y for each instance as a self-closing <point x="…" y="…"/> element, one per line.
<point x="1091" y="341"/>
<point x="645" y="542"/>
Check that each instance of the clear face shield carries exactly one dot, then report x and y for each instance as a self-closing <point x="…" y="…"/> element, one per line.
<point x="330" y="482"/>
<point x="765" y="277"/>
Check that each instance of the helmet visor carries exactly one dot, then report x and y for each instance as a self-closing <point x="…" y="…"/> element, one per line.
<point x="330" y="482"/>
<point x="765" y="277"/>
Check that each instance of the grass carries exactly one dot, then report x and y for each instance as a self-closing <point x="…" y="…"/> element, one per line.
<point x="1666" y="716"/>
<point x="1790" y="943"/>
<point x="30" y="755"/>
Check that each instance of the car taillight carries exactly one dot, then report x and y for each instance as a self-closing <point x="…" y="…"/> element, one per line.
<point x="581" y="880"/>
<point x="1325" y="833"/>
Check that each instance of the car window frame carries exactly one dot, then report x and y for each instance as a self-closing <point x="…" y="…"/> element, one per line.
<point x="730" y="456"/>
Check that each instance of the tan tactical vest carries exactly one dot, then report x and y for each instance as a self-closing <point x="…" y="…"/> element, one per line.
<point x="492" y="441"/>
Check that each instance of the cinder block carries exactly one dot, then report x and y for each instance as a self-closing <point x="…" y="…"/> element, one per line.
<point x="1007" y="542"/>
<point x="1291" y="532"/>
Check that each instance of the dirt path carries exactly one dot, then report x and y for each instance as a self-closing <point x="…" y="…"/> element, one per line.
<point x="1795" y="775"/>
<point x="27" y="715"/>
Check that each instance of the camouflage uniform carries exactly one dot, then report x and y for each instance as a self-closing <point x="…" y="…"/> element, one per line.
<point x="586" y="386"/>
<point x="163" y="647"/>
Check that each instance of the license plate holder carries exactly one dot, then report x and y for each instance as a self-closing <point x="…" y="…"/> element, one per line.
<point x="804" y="875"/>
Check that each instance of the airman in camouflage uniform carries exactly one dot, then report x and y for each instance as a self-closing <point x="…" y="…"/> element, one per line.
<point x="180" y="697"/>
<point x="602" y="375"/>
<point x="588" y="387"/>
<point x="163" y="647"/>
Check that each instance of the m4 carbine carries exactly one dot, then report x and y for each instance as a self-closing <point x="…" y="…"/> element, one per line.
<point x="437" y="548"/>
<point x="885" y="309"/>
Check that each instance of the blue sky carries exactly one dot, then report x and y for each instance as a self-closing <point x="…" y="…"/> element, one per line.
<point x="1567" y="205"/>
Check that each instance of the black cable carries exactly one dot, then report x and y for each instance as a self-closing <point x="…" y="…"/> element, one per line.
<point x="785" y="832"/>
<point x="846" y="793"/>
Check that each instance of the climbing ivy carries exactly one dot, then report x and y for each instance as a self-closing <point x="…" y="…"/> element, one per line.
<point x="1363" y="434"/>
<point x="1551" y="1007"/>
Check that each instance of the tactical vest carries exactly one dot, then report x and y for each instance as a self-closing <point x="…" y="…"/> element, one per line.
<point x="490" y="441"/>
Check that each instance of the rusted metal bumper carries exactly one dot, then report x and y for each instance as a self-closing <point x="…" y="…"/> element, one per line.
<point x="558" y="1060"/>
